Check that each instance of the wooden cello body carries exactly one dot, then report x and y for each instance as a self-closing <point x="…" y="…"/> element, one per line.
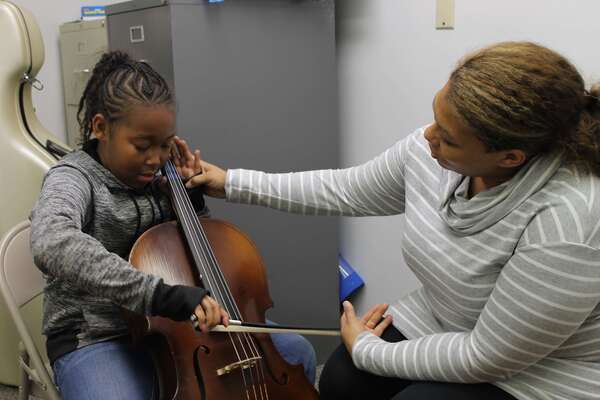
<point x="217" y="365"/>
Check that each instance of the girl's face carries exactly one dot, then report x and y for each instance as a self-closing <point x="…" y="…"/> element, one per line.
<point x="136" y="147"/>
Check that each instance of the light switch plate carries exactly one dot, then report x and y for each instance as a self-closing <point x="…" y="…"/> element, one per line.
<point x="444" y="15"/>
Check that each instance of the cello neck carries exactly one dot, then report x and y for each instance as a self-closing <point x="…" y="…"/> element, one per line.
<point x="199" y="246"/>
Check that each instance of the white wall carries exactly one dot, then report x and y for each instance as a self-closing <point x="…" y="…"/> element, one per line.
<point x="50" y="15"/>
<point x="391" y="63"/>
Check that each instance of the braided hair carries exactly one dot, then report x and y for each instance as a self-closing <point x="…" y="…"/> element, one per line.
<point x="119" y="83"/>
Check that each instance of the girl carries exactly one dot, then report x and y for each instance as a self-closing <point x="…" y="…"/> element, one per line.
<point x="93" y="205"/>
<point x="501" y="195"/>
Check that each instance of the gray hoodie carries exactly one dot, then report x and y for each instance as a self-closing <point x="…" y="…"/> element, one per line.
<point x="82" y="229"/>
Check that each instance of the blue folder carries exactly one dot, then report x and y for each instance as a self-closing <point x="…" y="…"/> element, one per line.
<point x="350" y="280"/>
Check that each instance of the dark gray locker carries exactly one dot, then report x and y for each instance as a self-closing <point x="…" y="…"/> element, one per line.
<point x="256" y="87"/>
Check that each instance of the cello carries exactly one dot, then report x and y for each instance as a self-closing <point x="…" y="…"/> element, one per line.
<point x="217" y="365"/>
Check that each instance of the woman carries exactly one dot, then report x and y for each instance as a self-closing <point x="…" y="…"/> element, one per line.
<point x="502" y="202"/>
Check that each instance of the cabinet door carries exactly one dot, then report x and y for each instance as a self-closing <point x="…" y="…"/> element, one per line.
<point x="146" y="35"/>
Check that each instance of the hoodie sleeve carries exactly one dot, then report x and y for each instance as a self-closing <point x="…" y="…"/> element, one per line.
<point x="63" y="251"/>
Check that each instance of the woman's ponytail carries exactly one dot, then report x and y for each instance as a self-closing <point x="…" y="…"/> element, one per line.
<point x="584" y="145"/>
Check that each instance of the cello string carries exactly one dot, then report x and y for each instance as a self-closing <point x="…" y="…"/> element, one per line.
<point x="218" y="293"/>
<point x="213" y="264"/>
<point x="208" y="257"/>
<point x="187" y="216"/>
<point x="213" y="269"/>
<point x="184" y="219"/>
<point x="215" y="282"/>
<point x="186" y="209"/>
<point x="243" y="375"/>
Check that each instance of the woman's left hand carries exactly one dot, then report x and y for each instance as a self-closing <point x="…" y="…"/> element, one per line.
<point x="373" y="321"/>
<point x="187" y="163"/>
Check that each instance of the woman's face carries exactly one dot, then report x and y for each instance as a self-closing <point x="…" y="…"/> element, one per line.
<point x="135" y="148"/>
<point x="456" y="147"/>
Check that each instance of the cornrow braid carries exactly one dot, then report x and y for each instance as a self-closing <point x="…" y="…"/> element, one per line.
<point x="117" y="84"/>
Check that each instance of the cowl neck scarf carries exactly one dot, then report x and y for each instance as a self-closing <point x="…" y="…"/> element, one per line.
<point x="467" y="216"/>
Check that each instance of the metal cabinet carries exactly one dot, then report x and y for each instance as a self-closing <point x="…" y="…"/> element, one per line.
<point x="256" y="87"/>
<point x="81" y="46"/>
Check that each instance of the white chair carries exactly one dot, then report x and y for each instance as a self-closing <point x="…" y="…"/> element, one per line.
<point x="21" y="282"/>
<point x="23" y="149"/>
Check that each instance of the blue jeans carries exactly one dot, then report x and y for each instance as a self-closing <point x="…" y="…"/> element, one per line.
<point x="114" y="370"/>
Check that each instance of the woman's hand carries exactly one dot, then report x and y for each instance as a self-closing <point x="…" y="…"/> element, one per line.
<point x="210" y="314"/>
<point x="212" y="179"/>
<point x="197" y="172"/>
<point x="187" y="163"/>
<point x="373" y="321"/>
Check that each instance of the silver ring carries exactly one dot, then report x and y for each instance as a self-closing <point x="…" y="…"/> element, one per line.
<point x="193" y="318"/>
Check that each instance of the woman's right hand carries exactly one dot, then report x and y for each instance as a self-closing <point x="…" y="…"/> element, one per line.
<point x="210" y="314"/>
<point x="212" y="179"/>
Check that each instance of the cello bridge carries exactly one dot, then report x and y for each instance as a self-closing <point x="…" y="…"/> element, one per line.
<point x="242" y="364"/>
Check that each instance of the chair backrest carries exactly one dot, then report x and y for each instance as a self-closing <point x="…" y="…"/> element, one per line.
<point x="22" y="136"/>
<point x="20" y="282"/>
<point x="22" y="54"/>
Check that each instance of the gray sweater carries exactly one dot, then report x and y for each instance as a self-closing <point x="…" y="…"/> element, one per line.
<point x="510" y="277"/>
<point x="82" y="229"/>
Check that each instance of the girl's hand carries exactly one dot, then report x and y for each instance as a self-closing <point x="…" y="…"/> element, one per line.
<point x="210" y="314"/>
<point x="373" y="321"/>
